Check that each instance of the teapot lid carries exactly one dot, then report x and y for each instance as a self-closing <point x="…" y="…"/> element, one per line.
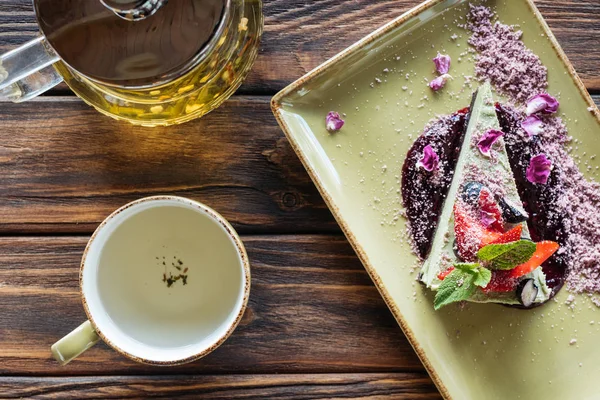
<point x="132" y="43"/>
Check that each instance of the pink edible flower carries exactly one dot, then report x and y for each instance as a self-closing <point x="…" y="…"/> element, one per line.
<point x="487" y="141"/>
<point x="542" y="102"/>
<point x="334" y="122"/>
<point x="533" y="125"/>
<point x="442" y="63"/>
<point x="430" y="159"/>
<point x="439" y="82"/>
<point x="487" y="218"/>
<point x="539" y="169"/>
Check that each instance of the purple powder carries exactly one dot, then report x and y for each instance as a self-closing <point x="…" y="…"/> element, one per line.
<point x="513" y="69"/>
<point x="518" y="73"/>
<point x="577" y="205"/>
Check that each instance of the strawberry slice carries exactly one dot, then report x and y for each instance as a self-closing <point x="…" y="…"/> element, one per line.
<point x="501" y="282"/>
<point x="471" y="235"/>
<point x="512" y="235"/>
<point x="543" y="251"/>
<point x="489" y="206"/>
<point x="442" y="275"/>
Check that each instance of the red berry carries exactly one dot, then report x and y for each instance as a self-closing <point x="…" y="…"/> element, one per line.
<point x="511" y="236"/>
<point x="488" y="204"/>
<point x="543" y="251"/>
<point x="470" y="233"/>
<point x="507" y="280"/>
<point x="501" y="282"/>
<point x="442" y="275"/>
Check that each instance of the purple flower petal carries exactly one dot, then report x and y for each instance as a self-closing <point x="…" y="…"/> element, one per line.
<point x="334" y="122"/>
<point x="542" y="102"/>
<point x="487" y="218"/>
<point x="539" y="169"/>
<point x="533" y="125"/>
<point x="487" y="141"/>
<point x="430" y="159"/>
<point x="442" y="63"/>
<point x="439" y="82"/>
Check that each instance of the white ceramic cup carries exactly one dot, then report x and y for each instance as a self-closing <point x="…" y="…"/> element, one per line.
<point x="164" y="281"/>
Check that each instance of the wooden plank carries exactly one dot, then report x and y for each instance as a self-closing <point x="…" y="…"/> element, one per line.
<point x="300" y="34"/>
<point x="64" y="167"/>
<point x="313" y="309"/>
<point x="357" y="386"/>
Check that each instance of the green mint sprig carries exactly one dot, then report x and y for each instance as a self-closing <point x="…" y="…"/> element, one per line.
<point x="463" y="281"/>
<point x="507" y="255"/>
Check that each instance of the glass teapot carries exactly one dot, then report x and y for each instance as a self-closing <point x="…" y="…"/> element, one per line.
<point x="148" y="62"/>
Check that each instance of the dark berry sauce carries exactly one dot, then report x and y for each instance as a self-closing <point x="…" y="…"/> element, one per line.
<point x="540" y="201"/>
<point x="423" y="193"/>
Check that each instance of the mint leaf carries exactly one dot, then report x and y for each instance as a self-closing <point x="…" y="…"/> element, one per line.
<point x="461" y="283"/>
<point x="457" y="286"/>
<point x="483" y="277"/>
<point x="508" y="255"/>
<point x="466" y="266"/>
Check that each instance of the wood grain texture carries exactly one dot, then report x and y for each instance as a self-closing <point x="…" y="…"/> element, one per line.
<point x="313" y="309"/>
<point x="315" y="327"/>
<point x="301" y="34"/>
<point x="65" y="167"/>
<point x="331" y="386"/>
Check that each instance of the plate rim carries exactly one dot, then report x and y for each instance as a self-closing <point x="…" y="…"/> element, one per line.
<point x="276" y="105"/>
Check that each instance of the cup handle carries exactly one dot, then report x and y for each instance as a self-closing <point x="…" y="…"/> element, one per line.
<point x="27" y="71"/>
<point x="71" y="346"/>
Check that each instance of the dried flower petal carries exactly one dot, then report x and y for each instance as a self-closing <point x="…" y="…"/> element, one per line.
<point x="442" y="63"/>
<point x="334" y="122"/>
<point x="487" y="218"/>
<point x="487" y="141"/>
<point x="539" y="169"/>
<point x="430" y="159"/>
<point x="439" y="82"/>
<point x="533" y="125"/>
<point x="542" y="102"/>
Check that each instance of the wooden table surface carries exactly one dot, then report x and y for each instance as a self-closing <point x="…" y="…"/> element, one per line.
<point x="315" y="327"/>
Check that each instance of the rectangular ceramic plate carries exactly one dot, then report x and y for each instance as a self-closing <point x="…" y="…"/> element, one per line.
<point x="475" y="352"/>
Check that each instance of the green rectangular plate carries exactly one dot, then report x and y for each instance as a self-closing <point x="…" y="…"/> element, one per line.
<point x="471" y="352"/>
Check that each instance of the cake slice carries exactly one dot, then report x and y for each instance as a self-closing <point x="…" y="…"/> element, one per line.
<point x="481" y="249"/>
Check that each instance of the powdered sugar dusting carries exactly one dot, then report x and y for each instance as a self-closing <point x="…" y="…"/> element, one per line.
<point x="495" y="183"/>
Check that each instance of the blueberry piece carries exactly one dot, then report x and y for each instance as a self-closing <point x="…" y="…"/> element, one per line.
<point x="527" y="292"/>
<point x="512" y="213"/>
<point x="470" y="192"/>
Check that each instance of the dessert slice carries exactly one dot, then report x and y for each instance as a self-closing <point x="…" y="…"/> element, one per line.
<point x="481" y="249"/>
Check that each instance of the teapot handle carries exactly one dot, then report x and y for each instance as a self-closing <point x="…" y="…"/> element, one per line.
<point x="27" y="71"/>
